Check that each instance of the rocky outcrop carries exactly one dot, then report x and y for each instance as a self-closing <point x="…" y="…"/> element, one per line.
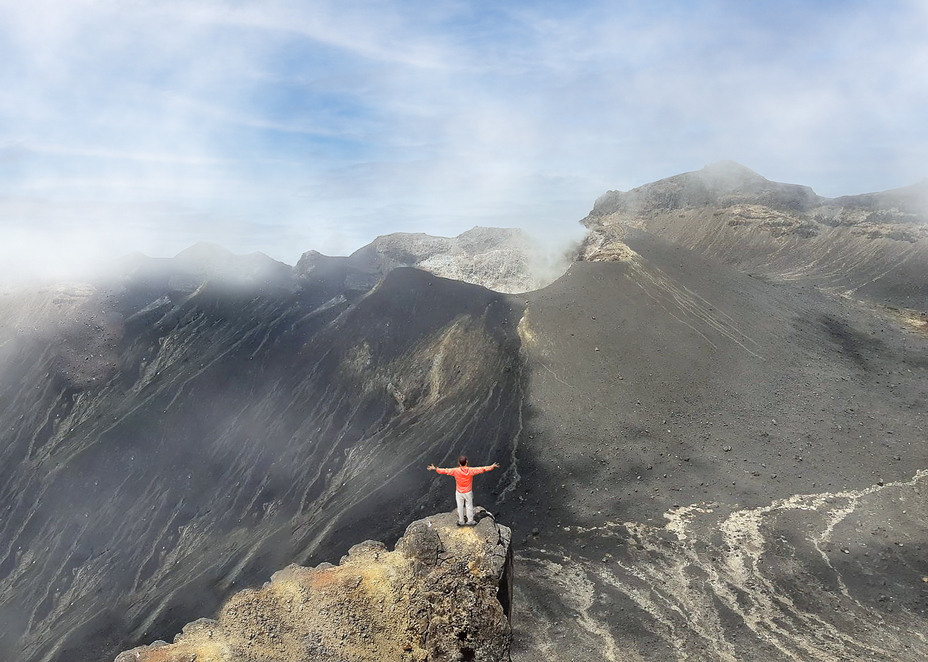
<point x="443" y="593"/>
<point x="720" y="184"/>
<point x="500" y="259"/>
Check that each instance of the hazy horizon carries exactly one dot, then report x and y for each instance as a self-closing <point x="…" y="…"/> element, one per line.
<point x="281" y="128"/>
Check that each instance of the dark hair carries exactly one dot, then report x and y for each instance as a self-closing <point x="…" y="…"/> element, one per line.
<point x="462" y="460"/>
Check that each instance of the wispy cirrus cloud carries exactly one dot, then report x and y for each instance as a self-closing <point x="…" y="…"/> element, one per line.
<point x="320" y="126"/>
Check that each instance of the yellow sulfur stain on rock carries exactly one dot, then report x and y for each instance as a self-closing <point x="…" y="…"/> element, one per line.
<point x="375" y="605"/>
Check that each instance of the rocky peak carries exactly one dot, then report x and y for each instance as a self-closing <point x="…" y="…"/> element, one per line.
<point x="205" y="253"/>
<point x="872" y="245"/>
<point x="501" y="259"/>
<point x="443" y="593"/>
<point x="730" y="176"/>
<point x="719" y="184"/>
<point x="207" y="260"/>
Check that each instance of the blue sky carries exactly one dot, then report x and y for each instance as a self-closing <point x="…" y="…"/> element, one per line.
<point x="289" y="126"/>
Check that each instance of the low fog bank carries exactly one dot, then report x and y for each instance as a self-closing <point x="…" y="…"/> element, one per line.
<point x="555" y="253"/>
<point x="510" y="260"/>
<point x="93" y="243"/>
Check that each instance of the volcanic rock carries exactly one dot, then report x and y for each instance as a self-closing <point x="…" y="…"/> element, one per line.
<point x="872" y="246"/>
<point x="442" y="594"/>
<point x="168" y="438"/>
<point x="500" y="259"/>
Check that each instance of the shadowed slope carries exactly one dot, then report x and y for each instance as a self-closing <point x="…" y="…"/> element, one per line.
<point x="182" y="444"/>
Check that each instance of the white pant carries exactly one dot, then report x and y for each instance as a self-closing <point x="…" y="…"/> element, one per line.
<point x="465" y="498"/>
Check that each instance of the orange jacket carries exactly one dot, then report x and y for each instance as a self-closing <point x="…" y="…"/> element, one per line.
<point x="464" y="476"/>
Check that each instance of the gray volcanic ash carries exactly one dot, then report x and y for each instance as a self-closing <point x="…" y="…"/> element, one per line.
<point x="162" y="447"/>
<point x="718" y="468"/>
<point x="705" y="453"/>
<point x="735" y="461"/>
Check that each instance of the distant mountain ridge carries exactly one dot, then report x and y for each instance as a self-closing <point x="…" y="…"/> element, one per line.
<point x="500" y="259"/>
<point x="504" y="260"/>
<point x="697" y="462"/>
<point x="873" y="246"/>
<point x="727" y="182"/>
<point x="722" y="183"/>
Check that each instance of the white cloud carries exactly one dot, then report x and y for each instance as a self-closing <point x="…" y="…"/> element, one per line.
<point x="281" y="126"/>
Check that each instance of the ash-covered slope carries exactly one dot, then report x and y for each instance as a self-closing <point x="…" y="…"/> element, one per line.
<point x="718" y="468"/>
<point x="872" y="246"/>
<point x="168" y="439"/>
<point x="698" y="464"/>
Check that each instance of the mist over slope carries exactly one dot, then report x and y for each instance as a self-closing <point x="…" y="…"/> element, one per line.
<point x="705" y="453"/>
<point x="501" y="259"/>
<point x="170" y="440"/>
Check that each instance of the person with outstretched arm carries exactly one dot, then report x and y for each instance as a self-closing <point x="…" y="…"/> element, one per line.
<point x="464" y="476"/>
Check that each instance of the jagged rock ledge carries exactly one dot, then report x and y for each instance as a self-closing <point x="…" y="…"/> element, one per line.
<point x="444" y="593"/>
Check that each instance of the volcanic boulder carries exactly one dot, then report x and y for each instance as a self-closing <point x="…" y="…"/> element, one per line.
<point x="442" y="594"/>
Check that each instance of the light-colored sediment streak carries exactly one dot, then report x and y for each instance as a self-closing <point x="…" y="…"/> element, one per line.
<point x="513" y="469"/>
<point x="794" y="580"/>
<point x="690" y="309"/>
